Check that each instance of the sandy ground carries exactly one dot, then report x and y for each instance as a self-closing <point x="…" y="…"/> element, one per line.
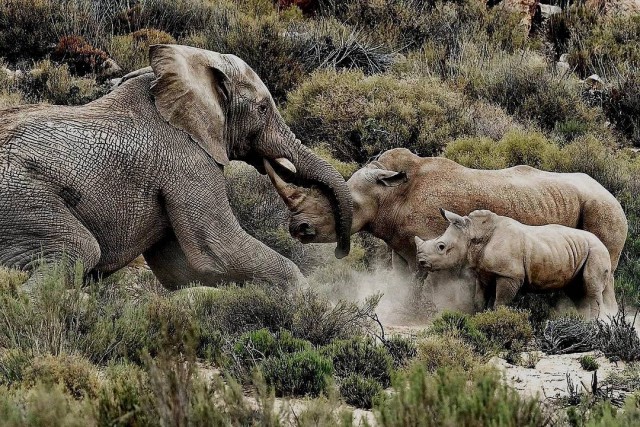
<point x="548" y="379"/>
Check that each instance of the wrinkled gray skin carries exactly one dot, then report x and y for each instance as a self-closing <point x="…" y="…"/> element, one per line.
<point x="508" y="256"/>
<point x="140" y="171"/>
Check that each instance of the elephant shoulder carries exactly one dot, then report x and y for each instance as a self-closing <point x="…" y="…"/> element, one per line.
<point x="12" y="119"/>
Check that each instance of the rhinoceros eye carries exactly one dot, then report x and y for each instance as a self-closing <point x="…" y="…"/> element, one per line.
<point x="441" y="246"/>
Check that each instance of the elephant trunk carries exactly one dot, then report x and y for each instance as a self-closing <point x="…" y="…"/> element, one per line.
<point x="314" y="170"/>
<point x="307" y="169"/>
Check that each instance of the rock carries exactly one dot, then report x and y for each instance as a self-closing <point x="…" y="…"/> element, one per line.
<point x="547" y="10"/>
<point x="615" y="7"/>
<point x="110" y="68"/>
<point x="594" y="82"/>
<point x="563" y="68"/>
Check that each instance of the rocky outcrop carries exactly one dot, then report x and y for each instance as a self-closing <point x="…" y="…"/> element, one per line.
<point x="615" y="7"/>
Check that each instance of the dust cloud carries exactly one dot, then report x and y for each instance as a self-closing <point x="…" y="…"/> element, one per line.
<point x="406" y="300"/>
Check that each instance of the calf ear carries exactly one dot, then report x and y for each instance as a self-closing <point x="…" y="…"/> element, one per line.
<point x="391" y="178"/>
<point x="454" y="219"/>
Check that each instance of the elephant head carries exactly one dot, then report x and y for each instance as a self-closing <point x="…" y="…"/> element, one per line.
<point x="225" y="108"/>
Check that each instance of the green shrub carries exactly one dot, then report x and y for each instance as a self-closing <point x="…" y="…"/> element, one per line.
<point x="294" y="48"/>
<point x="452" y="397"/>
<point x="604" y="413"/>
<point x="49" y="321"/>
<point x="298" y="374"/>
<point x="131" y="51"/>
<point x="235" y="310"/>
<point x="78" y="375"/>
<point x="359" y="116"/>
<point x="401" y="349"/>
<point x="318" y="320"/>
<point x="27" y="27"/>
<point x="254" y="38"/>
<point x="540" y="307"/>
<point x="172" y="327"/>
<point x="589" y="363"/>
<point x="262" y="343"/>
<point x="11" y="280"/>
<point x="459" y="325"/>
<point x="360" y="356"/>
<point x="47" y="82"/>
<point x="177" y="17"/>
<point x="589" y="155"/>
<point x="622" y="105"/>
<point x="408" y="24"/>
<point x="522" y="85"/>
<point x="506" y="328"/>
<point x="359" y="391"/>
<point x="13" y="363"/>
<point x="119" y="329"/>
<point x="597" y="45"/>
<point x="515" y="148"/>
<point x="325" y="412"/>
<point x="253" y="347"/>
<point x="446" y="351"/>
<point x="122" y="397"/>
<point x="44" y="405"/>
<point x="101" y="324"/>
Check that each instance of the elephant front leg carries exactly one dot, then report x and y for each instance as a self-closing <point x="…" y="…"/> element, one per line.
<point x="209" y="244"/>
<point x="506" y="290"/>
<point x="171" y="267"/>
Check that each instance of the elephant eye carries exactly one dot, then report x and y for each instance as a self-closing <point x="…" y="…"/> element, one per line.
<point x="262" y="108"/>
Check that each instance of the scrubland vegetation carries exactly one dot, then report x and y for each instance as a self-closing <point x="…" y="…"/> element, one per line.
<point x="352" y="78"/>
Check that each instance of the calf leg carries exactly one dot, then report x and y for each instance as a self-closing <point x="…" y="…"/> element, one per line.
<point x="399" y="264"/>
<point x="506" y="290"/>
<point x="596" y="277"/>
<point x="610" y="303"/>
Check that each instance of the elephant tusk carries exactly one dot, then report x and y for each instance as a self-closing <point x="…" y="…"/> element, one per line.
<point x="285" y="163"/>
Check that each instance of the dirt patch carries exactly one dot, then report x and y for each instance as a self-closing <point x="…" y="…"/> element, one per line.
<point x="548" y="379"/>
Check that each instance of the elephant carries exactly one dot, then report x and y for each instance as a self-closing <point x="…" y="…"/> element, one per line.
<point x="509" y="256"/>
<point x="140" y="171"/>
<point x="397" y="197"/>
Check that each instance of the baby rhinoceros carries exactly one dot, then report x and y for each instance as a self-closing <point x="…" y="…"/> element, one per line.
<point x="514" y="256"/>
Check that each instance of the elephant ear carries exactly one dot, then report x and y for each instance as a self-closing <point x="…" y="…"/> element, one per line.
<point x="192" y="93"/>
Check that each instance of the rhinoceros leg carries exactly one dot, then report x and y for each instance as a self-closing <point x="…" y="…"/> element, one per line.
<point x="609" y="296"/>
<point x="399" y="264"/>
<point x="596" y="275"/>
<point x="506" y="290"/>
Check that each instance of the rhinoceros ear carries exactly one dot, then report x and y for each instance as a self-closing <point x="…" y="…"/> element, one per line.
<point x="391" y="178"/>
<point x="454" y="219"/>
<point x="418" y="241"/>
